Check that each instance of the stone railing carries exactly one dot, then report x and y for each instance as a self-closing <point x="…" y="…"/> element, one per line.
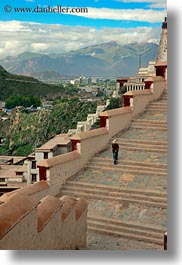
<point x="58" y="169"/>
<point x="28" y="223"/>
<point x="86" y="144"/>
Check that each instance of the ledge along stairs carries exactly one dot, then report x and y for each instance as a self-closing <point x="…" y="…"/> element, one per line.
<point x="129" y="200"/>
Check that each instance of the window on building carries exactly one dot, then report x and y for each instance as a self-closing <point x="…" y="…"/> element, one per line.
<point x="19" y="173"/>
<point x="45" y="155"/>
<point x="2" y="180"/>
<point x="34" y="165"/>
<point x="34" y="177"/>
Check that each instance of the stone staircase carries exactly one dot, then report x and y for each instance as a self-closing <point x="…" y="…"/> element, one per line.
<point x="151" y="124"/>
<point x="128" y="200"/>
<point x="157" y="107"/>
<point x="125" y="230"/>
<point x="104" y="192"/>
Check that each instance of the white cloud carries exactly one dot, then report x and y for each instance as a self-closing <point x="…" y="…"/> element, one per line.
<point x="13" y="26"/>
<point x="51" y="38"/>
<point x="152" y="3"/>
<point x="41" y="47"/>
<point x="124" y="14"/>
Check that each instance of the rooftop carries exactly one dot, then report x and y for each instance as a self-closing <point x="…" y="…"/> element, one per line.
<point x="16" y="159"/>
<point x="9" y="171"/>
<point x="27" y="190"/>
<point x="60" y="139"/>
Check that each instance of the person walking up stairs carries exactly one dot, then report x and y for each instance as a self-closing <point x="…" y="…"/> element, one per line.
<point x="115" y="150"/>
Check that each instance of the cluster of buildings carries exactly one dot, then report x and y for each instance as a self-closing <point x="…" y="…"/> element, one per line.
<point x="16" y="172"/>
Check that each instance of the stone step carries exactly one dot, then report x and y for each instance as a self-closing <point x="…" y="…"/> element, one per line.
<point x="162" y="128"/>
<point x="162" y="104"/>
<point x="133" y="225"/>
<point x="111" y="192"/>
<point x="114" y="194"/>
<point x="131" y="162"/>
<point x="143" y="148"/>
<point x="153" y="116"/>
<point x="142" y="141"/>
<point x="159" y="104"/>
<point x="99" y="194"/>
<point x="121" y="169"/>
<point x="119" y="226"/>
<point x="146" y="143"/>
<point x="129" y="168"/>
<point x="156" y="108"/>
<point x="151" y="122"/>
<point x="124" y="235"/>
<point x="147" y="192"/>
<point x="87" y="196"/>
<point x="119" y="229"/>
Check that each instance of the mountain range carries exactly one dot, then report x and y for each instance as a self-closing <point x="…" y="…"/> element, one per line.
<point x="106" y="59"/>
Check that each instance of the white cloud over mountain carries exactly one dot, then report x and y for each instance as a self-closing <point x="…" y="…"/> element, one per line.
<point x="18" y="37"/>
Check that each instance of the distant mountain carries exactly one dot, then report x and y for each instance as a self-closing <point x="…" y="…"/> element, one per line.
<point x="8" y="76"/>
<point x="106" y="59"/>
<point x="49" y="76"/>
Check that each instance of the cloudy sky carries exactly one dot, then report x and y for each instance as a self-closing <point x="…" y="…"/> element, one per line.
<point x="23" y="27"/>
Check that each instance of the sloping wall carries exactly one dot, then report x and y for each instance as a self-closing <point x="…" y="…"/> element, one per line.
<point x="51" y="223"/>
<point x="87" y="144"/>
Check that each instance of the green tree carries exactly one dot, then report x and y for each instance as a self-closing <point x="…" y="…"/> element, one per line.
<point x="122" y="90"/>
<point x="25" y="101"/>
<point x="114" y="103"/>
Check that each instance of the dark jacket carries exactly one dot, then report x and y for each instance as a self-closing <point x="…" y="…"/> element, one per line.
<point x="115" y="147"/>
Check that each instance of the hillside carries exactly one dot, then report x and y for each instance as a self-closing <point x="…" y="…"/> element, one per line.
<point x="4" y="75"/>
<point x="106" y="59"/>
<point x="11" y="84"/>
<point x="23" y="132"/>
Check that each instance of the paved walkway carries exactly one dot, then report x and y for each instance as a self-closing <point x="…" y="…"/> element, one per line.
<point x="141" y="169"/>
<point x="104" y="242"/>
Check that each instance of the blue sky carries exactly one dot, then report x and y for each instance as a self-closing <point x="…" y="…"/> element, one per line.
<point x="124" y="21"/>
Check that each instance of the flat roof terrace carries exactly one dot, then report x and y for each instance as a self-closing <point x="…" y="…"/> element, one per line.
<point x="60" y="139"/>
<point x="12" y="159"/>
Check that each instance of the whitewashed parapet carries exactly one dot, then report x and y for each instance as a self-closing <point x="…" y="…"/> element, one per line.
<point x="50" y="223"/>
